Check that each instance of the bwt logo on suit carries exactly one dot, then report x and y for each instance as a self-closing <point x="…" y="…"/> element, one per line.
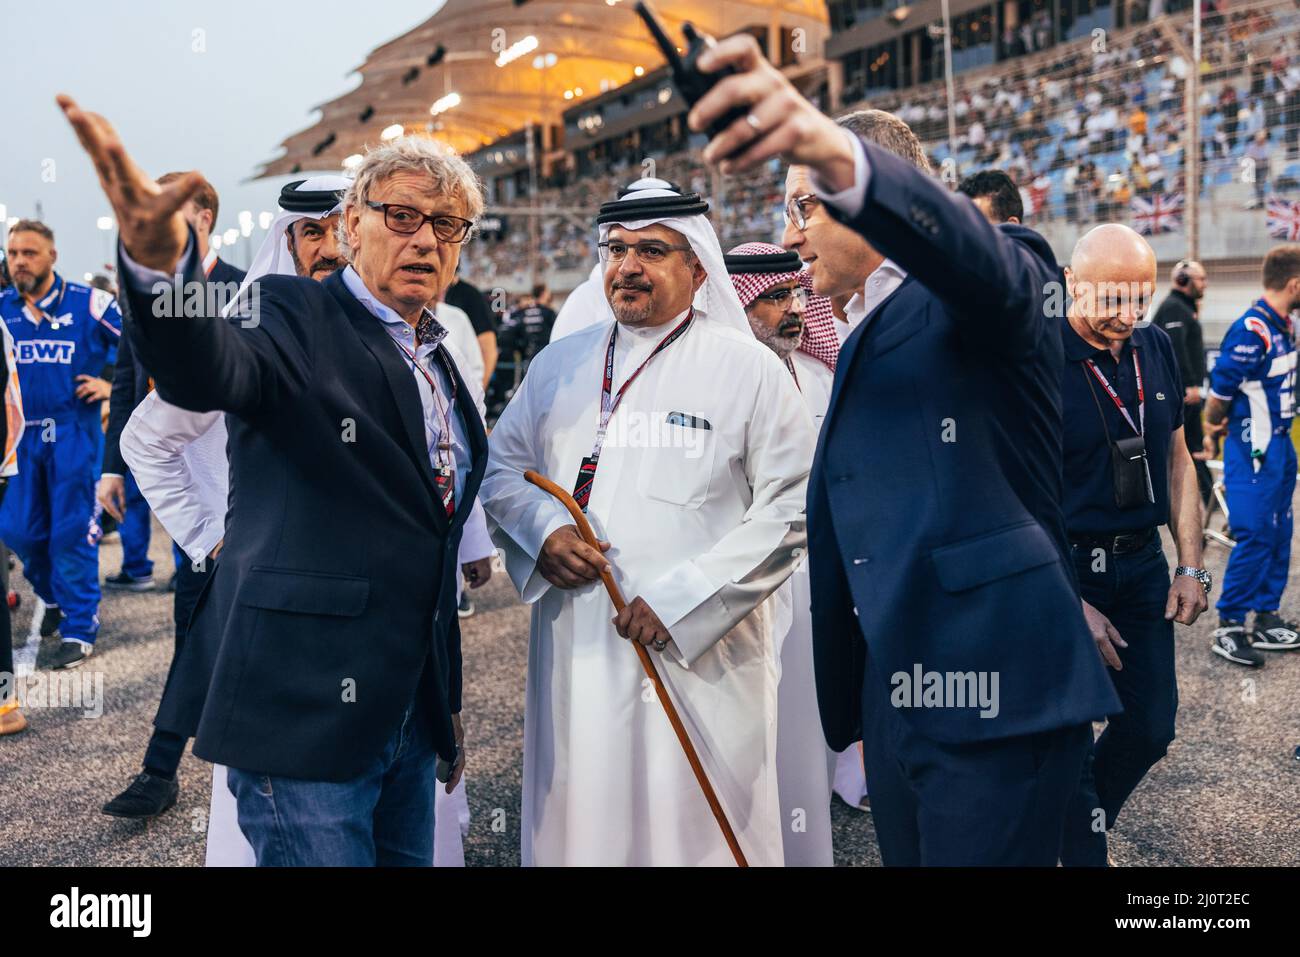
<point x="45" y="350"/>
<point x="946" y="689"/>
<point x="73" y="910"/>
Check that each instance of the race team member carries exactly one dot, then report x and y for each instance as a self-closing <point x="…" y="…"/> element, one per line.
<point x="65" y="335"/>
<point x="1252" y="401"/>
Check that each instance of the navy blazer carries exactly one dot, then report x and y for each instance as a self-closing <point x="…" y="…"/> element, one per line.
<point x="334" y="598"/>
<point x="934" y="506"/>
<point x="131" y="381"/>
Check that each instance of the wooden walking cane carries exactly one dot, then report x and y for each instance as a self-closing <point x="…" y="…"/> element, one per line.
<point x="616" y="595"/>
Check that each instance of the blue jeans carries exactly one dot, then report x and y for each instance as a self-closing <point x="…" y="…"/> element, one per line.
<point x="383" y="817"/>
<point x="1131" y="591"/>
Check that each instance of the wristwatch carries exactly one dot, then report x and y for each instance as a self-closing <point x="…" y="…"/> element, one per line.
<point x="1200" y="574"/>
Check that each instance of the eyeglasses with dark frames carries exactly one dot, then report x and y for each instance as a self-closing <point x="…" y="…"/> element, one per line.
<point x="408" y="220"/>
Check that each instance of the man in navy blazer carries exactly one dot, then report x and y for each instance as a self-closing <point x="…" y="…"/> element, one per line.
<point x="323" y="660"/>
<point x="946" y="619"/>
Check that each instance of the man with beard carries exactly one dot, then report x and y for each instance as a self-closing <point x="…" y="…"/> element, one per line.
<point x="769" y="285"/>
<point x="117" y="490"/>
<point x="65" y="335"/>
<point x="179" y="460"/>
<point x="686" y="443"/>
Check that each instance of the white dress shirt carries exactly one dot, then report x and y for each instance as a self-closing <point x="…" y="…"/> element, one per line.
<point x="886" y="277"/>
<point x="403" y="335"/>
<point x="178" y="458"/>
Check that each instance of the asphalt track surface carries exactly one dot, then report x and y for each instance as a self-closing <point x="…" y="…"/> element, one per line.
<point x="1227" y="793"/>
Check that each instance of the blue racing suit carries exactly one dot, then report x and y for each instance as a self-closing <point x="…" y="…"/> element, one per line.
<point x="48" y="517"/>
<point x="1256" y="373"/>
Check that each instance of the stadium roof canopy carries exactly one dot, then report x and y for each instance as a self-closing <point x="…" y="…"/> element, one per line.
<point x="582" y="48"/>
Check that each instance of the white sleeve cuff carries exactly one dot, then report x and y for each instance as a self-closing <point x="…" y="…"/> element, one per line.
<point x="475" y="543"/>
<point x="203" y="543"/>
<point x="849" y="200"/>
<point x="141" y="276"/>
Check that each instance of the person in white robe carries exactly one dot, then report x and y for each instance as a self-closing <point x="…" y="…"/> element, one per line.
<point x="767" y="282"/>
<point x="461" y="336"/>
<point x="178" y="458"/>
<point x="696" y="484"/>
<point x="755" y="269"/>
<point x="586" y="305"/>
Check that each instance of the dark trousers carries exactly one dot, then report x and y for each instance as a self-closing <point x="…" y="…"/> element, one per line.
<point x="162" y="758"/>
<point x="1131" y="590"/>
<point x="1194" y="435"/>
<point x="981" y="803"/>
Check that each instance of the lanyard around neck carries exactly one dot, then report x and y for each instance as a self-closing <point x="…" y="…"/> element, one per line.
<point x="1114" y="396"/>
<point x="609" y="401"/>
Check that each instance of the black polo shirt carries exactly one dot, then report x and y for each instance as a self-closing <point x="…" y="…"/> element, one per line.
<point x="1089" y="497"/>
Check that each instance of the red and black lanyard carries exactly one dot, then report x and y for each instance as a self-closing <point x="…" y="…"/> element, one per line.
<point x="444" y="473"/>
<point x="609" y="402"/>
<point x="1140" y="428"/>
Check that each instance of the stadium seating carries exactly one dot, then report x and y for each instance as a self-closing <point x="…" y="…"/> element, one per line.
<point x="1082" y="133"/>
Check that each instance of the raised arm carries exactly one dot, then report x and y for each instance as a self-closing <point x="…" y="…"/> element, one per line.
<point x="198" y="362"/>
<point x="994" y="277"/>
<point x="985" y="275"/>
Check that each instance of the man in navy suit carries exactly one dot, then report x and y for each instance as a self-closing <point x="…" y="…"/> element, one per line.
<point x="322" y="664"/>
<point x="946" y="617"/>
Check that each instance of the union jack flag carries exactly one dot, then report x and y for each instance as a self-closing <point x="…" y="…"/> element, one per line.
<point x="1162" y="213"/>
<point x="1284" y="218"/>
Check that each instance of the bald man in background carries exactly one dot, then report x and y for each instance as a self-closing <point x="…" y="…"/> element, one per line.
<point x="1127" y="472"/>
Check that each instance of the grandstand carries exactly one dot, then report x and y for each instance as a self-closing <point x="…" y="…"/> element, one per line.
<point x="1083" y="102"/>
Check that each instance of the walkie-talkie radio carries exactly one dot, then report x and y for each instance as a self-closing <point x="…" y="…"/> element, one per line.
<point x="690" y="82"/>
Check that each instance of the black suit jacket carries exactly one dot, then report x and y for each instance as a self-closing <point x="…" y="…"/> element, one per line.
<point x="334" y="598"/>
<point x="131" y="381"/>
<point x="934" y="506"/>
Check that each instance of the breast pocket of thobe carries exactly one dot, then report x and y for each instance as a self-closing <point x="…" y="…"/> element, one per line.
<point x="677" y="463"/>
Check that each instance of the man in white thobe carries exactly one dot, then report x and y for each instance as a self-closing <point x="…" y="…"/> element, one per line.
<point x="178" y="458"/>
<point x="769" y="284"/>
<point x="586" y="305"/>
<point x="695" y="484"/>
